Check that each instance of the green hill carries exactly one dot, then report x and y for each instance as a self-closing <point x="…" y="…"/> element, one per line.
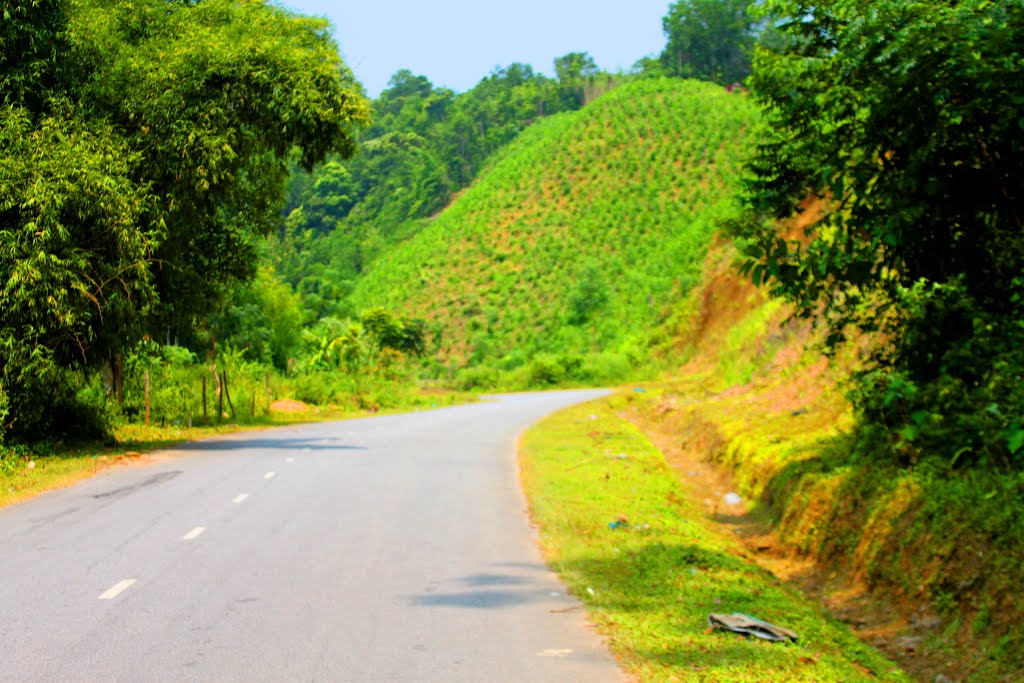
<point x="578" y="237"/>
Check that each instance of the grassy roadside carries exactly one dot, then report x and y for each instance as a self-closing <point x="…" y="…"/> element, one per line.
<point x="650" y="586"/>
<point x="26" y="472"/>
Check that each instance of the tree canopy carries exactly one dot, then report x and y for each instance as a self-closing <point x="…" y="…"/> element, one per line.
<point x="903" y="118"/>
<point x="712" y="40"/>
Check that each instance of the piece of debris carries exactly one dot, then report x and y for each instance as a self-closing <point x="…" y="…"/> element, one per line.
<point x="640" y="390"/>
<point x="621" y="523"/>
<point x="733" y="499"/>
<point x="748" y="625"/>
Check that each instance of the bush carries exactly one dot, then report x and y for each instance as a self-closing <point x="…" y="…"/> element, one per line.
<point x="317" y="388"/>
<point x="478" y="377"/>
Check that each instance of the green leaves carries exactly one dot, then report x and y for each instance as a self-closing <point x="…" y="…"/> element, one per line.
<point x="74" y="262"/>
<point x="142" y="153"/>
<point x="897" y="118"/>
<point x="709" y="39"/>
<point x="215" y="96"/>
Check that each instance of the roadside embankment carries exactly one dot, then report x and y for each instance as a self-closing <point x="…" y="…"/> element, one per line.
<point x="925" y="562"/>
<point x="637" y="547"/>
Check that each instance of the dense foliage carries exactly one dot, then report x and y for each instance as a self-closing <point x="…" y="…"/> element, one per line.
<point x="425" y="144"/>
<point x="904" y="116"/>
<point x="143" y="147"/>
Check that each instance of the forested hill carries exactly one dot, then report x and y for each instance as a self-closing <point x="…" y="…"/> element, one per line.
<point x="578" y="236"/>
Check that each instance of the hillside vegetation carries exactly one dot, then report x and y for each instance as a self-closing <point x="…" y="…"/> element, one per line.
<point x="940" y="551"/>
<point x="577" y="238"/>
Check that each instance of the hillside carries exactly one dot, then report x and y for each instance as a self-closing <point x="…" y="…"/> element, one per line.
<point x="576" y="239"/>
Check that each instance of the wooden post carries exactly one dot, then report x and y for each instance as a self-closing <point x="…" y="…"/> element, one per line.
<point x="220" y="396"/>
<point x="226" y="392"/>
<point x="267" y="380"/>
<point x="147" y="396"/>
<point x="204" y="400"/>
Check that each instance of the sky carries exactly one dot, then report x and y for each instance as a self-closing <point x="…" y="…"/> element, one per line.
<point x="455" y="43"/>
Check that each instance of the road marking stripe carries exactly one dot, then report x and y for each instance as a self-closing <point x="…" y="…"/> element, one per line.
<point x="290" y="460"/>
<point x="195" y="533"/>
<point x="240" y="497"/>
<point x="116" y="589"/>
<point x="270" y="475"/>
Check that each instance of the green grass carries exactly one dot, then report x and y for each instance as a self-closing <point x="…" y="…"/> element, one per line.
<point x="651" y="586"/>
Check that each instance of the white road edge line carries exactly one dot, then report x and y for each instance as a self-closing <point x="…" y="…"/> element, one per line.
<point x="195" y="533"/>
<point x="270" y="475"/>
<point x="240" y="498"/>
<point x="116" y="589"/>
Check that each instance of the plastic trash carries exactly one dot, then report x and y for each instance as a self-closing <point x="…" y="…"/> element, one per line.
<point x="748" y="625"/>
<point x="640" y="390"/>
<point x="620" y="523"/>
<point x="733" y="499"/>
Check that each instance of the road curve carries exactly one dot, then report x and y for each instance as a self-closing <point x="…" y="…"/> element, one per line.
<point x="385" y="549"/>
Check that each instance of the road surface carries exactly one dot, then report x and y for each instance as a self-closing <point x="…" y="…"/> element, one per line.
<point x="386" y="549"/>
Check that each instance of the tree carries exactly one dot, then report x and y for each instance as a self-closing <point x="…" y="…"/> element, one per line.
<point x="215" y="95"/>
<point x="575" y="71"/>
<point x="903" y="118"/>
<point x="397" y="333"/>
<point x="712" y="40"/>
<point x="74" y="263"/>
<point x="143" y="148"/>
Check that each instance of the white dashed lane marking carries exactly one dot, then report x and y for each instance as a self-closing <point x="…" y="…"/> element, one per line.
<point x="116" y="589"/>
<point x="195" y="533"/>
<point x="290" y="460"/>
<point x="270" y="475"/>
<point x="240" y="498"/>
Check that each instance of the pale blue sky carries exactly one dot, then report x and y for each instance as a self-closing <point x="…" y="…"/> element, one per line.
<point x="455" y="43"/>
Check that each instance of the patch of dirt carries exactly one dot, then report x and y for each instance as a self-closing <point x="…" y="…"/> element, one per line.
<point x="289" y="406"/>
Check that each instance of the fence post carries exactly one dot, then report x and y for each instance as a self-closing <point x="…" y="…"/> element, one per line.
<point x="220" y="396"/>
<point x="227" y="392"/>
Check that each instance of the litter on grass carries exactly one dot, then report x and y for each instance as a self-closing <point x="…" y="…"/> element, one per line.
<point x="621" y="523"/>
<point x="748" y="625"/>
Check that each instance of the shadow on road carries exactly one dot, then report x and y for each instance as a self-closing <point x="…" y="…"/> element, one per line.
<point x="488" y="591"/>
<point x="286" y="444"/>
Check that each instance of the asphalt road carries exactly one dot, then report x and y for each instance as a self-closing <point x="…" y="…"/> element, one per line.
<point x="388" y="549"/>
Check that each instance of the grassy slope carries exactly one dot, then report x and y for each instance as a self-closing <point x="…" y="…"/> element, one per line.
<point x="621" y="194"/>
<point x="650" y="586"/>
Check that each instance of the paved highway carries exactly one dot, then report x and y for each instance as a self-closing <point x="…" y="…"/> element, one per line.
<point x="386" y="549"/>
